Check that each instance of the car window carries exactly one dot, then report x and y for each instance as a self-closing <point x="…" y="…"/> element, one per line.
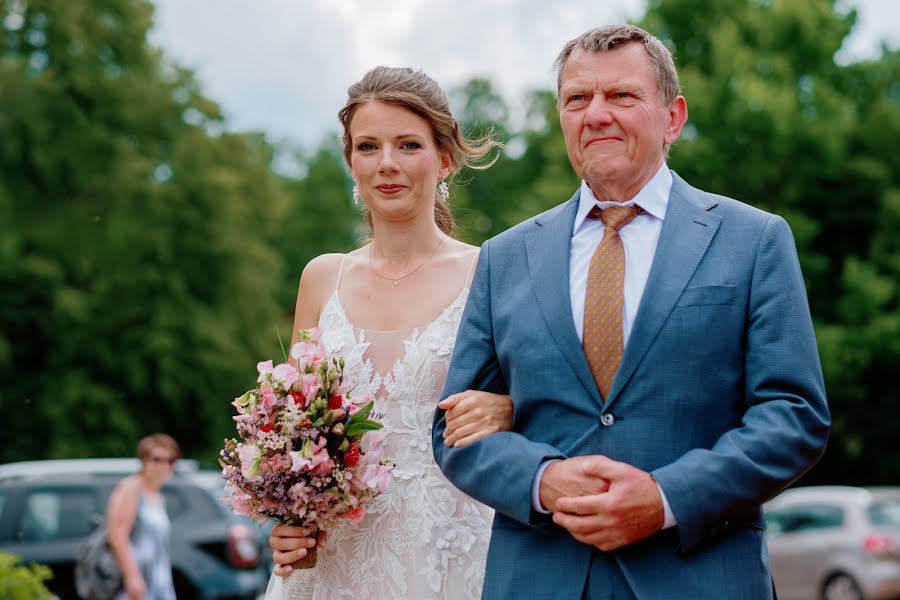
<point x="774" y="522"/>
<point x="885" y="513"/>
<point x="805" y="518"/>
<point x="213" y="487"/>
<point x="56" y="514"/>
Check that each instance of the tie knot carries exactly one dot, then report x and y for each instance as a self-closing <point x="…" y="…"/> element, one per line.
<point x="616" y="217"/>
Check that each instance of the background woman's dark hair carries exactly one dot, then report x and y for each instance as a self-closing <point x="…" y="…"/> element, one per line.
<point x="417" y="92"/>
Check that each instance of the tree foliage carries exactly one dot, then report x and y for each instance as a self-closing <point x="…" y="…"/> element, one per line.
<point x="777" y="122"/>
<point x="136" y="287"/>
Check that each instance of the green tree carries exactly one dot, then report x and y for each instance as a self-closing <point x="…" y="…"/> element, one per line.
<point x="320" y="218"/>
<point x="516" y="187"/>
<point x="776" y="122"/>
<point x="479" y="198"/>
<point x="137" y="289"/>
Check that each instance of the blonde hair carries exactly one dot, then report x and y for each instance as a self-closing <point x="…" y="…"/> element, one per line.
<point x="610" y="37"/>
<point x="419" y="93"/>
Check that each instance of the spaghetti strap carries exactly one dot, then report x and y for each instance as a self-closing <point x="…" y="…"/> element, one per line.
<point x="337" y="284"/>
<point x="472" y="268"/>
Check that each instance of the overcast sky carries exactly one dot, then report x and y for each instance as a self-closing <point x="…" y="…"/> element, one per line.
<point x="283" y="66"/>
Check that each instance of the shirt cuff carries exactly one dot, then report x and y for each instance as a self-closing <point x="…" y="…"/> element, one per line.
<point x="669" y="516"/>
<point x="536" y="487"/>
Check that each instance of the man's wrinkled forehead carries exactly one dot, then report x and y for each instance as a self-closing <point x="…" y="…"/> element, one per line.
<point x="609" y="68"/>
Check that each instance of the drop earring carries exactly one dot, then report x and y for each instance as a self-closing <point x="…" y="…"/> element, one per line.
<point x="355" y="195"/>
<point x="444" y="192"/>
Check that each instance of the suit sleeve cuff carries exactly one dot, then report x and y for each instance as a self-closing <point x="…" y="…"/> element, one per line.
<point x="669" y="515"/>
<point x="536" y="488"/>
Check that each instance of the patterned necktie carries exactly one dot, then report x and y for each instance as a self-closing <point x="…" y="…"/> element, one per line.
<point x="603" y="300"/>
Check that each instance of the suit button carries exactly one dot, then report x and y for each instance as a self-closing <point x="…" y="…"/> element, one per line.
<point x="607" y="420"/>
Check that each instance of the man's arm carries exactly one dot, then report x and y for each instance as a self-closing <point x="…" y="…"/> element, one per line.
<point x="786" y="423"/>
<point x="499" y="469"/>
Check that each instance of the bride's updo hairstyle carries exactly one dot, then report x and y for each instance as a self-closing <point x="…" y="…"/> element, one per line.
<point x="419" y="93"/>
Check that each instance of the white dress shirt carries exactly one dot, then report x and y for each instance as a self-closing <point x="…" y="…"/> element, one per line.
<point x="639" y="239"/>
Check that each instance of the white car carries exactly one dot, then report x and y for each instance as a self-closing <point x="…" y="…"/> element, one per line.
<point x="835" y="543"/>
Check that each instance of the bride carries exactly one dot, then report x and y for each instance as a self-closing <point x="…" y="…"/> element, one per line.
<point x="392" y="308"/>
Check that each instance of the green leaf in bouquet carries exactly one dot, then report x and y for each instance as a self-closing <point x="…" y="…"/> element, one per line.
<point x="357" y="429"/>
<point x="306" y="449"/>
<point x="334" y="491"/>
<point x="281" y="344"/>
<point x="363" y="413"/>
<point x="248" y="399"/>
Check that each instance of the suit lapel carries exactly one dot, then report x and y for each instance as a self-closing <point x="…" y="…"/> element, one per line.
<point x="547" y="247"/>
<point x="686" y="233"/>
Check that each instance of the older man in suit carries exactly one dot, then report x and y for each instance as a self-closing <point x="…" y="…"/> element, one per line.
<point x="657" y="344"/>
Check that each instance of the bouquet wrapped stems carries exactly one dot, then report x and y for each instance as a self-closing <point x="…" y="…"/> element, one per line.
<point x="312" y="554"/>
<point x="308" y="561"/>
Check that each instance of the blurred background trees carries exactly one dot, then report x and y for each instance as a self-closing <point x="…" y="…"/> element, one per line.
<point x="149" y="256"/>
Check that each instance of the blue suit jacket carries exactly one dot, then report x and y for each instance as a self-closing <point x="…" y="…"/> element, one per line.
<point x="719" y="395"/>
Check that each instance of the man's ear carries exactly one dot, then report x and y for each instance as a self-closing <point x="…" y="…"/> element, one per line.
<point x="678" y="116"/>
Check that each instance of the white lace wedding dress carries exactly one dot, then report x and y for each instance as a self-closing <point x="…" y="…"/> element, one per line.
<point x="422" y="539"/>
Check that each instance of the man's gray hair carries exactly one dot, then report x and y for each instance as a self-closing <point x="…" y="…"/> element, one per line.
<point x="609" y="37"/>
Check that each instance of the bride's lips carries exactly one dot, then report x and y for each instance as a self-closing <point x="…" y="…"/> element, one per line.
<point x="389" y="189"/>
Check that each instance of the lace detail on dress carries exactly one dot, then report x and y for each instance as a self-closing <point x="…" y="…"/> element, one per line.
<point x="422" y="538"/>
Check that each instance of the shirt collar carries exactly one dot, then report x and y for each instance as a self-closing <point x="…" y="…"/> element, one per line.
<point x="653" y="198"/>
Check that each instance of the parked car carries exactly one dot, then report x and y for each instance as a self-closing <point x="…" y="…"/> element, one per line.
<point x="48" y="508"/>
<point x="835" y="543"/>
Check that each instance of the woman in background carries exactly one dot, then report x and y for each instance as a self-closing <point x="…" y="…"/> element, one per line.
<point x="139" y="526"/>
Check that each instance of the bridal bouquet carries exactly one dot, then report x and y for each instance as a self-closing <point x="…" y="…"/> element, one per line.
<point x="304" y="453"/>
